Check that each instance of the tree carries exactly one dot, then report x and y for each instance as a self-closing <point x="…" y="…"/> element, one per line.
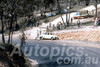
<point x="87" y="2"/>
<point x="60" y="10"/>
<point x="10" y="7"/>
<point x="3" y="39"/>
<point x="42" y="5"/>
<point x="96" y="8"/>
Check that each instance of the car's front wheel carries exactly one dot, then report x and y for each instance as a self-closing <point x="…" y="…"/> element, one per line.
<point x="56" y="38"/>
<point x="41" y="38"/>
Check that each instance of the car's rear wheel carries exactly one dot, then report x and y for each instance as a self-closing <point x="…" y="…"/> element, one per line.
<point x="52" y="38"/>
<point x="56" y="38"/>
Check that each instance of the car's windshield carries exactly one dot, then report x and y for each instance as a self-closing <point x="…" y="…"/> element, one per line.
<point x="47" y="34"/>
<point x="44" y="33"/>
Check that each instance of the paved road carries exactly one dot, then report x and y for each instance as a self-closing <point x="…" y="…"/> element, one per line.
<point x="62" y="53"/>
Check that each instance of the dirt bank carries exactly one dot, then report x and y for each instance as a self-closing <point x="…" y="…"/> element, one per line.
<point x="91" y="35"/>
<point x="11" y="61"/>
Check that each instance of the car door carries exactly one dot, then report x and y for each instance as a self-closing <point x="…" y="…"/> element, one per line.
<point x="48" y="36"/>
<point x="45" y="36"/>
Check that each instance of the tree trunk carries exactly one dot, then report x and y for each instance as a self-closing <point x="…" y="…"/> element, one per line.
<point x="78" y="2"/>
<point x="3" y="38"/>
<point x="9" y="37"/>
<point x="60" y="10"/>
<point x="96" y="9"/>
<point x="11" y="28"/>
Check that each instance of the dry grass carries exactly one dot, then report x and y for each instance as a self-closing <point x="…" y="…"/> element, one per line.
<point x="93" y="35"/>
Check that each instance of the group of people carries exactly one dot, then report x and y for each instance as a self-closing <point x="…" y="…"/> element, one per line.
<point x="60" y="26"/>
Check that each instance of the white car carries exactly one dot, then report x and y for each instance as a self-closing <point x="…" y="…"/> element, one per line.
<point x="48" y="36"/>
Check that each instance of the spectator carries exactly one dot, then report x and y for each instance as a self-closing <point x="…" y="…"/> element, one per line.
<point x="37" y="23"/>
<point x="95" y="21"/>
<point x="37" y="33"/>
<point x="71" y="21"/>
<point x="78" y="23"/>
<point x="47" y="29"/>
<point x="50" y="25"/>
<point x="60" y="26"/>
<point x="53" y="26"/>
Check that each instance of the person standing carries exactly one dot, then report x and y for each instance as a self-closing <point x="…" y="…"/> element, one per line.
<point x="78" y="23"/>
<point x="47" y="28"/>
<point x="53" y="27"/>
<point x="72" y="21"/>
<point x="95" y="21"/>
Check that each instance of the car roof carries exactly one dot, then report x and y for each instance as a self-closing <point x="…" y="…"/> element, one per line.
<point x="47" y="33"/>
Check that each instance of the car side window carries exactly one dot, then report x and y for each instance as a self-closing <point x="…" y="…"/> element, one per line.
<point x="50" y="33"/>
<point x="46" y="33"/>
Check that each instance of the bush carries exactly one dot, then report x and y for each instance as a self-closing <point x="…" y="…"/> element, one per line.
<point x="46" y="20"/>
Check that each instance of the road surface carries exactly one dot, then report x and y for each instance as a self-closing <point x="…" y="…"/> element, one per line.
<point x="62" y="53"/>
